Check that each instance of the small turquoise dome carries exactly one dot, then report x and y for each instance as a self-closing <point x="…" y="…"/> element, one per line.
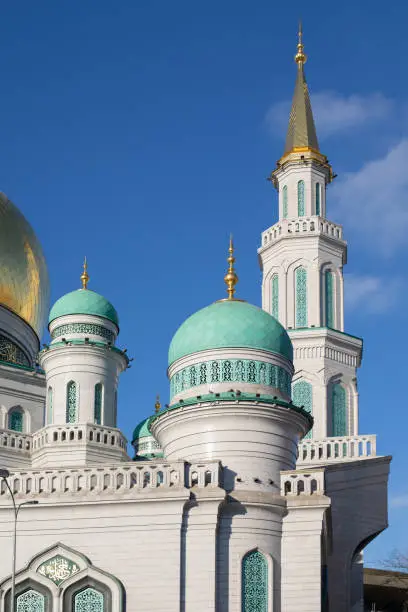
<point x="230" y="324"/>
<point x="84" y="301"/>
<point x="142" y="430"/>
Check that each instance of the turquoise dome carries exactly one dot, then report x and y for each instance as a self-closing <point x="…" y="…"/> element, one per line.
<point x="142" y="430"/>
<point x="84" y="301"/>
<point x="230" y="324"/>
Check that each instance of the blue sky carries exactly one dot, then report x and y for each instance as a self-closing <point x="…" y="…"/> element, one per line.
<point x="140" y="134"/>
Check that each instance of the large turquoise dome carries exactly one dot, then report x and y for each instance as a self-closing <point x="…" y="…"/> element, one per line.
<point x="84" y="301"/>
<point x="230" y="324"/>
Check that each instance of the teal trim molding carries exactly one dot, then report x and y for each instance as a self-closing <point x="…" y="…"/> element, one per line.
<point x="231" y="370"/>
<point x="83" y="328"/>
<point x="230" y="324"/>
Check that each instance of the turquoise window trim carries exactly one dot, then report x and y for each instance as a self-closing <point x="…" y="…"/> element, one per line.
<point x="72" y="402"/>
<point x="329" y="298"/>
<point x="16" y="420"/>
<point x="301" y="198"/>
<point x="30" y="601"/>
<point x="302" y="395"/>
<point x="275" y="296"/>
<point x="255" y="587"/>
<point x="318" y="199"/>
<point x="339" y="410"/>
<point x="49" y="406"/>
<point x="285" y="202"/>
<point x="89" y="600"/>
<point x="301" y="297"/>
<point x="231" y="370"/>
<point x="98" y="400"/>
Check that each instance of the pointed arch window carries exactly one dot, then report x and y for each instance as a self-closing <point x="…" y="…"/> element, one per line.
<point x="98" y="398"/>
<point x="72" y="401"/>
<point x="89" y="600"/>
<point x="301" y="297"/>
<point x="275" y="296"/>
<point x="301" y="198"/>
<point x="16" y="419"/>
<point x="339" y="410"/>
<point x="30" y="601"/>
<point x="285" y="202"/>
<point x="328" y="298"/>
<point x="49" y="405"/>
<point x="318" y="199"/>
<point x="302" y="395"/>
<point x="254" y="582"/>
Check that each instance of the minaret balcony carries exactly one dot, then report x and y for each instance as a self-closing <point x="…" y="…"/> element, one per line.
<point x="301" y="226"/>
<point x="336" y="449"/>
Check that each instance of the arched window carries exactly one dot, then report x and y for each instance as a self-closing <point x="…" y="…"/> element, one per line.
<point x="328" y="298"/>
<point x="318" y="199"/>
<point x="254" y="582"/>
<point x="302" y="395"/>
<point x="49" y="406"/>
<point x="89" y="600"/>
<point x="71" y="408"/>
<point x="30" y="601"/>
<point x="15" y="419"/>
<point x="285" y="202"/>
<point x="98" y="403"/>
<point x="339" y="410"/>
<point x="275" y="296"/>
<point x="301" y="198"/>
<point x="301" y="297"/>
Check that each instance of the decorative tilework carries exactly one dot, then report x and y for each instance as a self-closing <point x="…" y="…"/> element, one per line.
<point x="301" y="198"/>
<point x="254" y="583"/>
<point x="11" y="353"/>
<point x="301" y="297"/>
<point x="83" y="328"/>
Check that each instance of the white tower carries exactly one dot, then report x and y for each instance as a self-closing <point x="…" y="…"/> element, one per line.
<point x="302" y="258"/>
<point x="82" y="367"/>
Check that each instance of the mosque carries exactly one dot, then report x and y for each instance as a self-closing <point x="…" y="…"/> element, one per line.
<point x="251" y="491"/>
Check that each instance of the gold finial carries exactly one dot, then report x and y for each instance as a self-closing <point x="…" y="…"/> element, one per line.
<point x="157" y="405"/>
<point x="231" y="278"/>
<point x="85" y="276"/>
<point x="300" y="57"/>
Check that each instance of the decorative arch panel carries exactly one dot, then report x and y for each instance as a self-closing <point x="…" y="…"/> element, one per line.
<point x="255" y="582"/>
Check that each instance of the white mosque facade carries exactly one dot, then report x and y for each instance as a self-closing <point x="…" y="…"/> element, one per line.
<point x="251" y="491"/>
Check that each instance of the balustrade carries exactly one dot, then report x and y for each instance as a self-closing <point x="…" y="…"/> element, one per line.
<point x="302" y="483"/>
<point x="345" y="448"/>
<point x="16" y="441"/>
<point x="302" y="225"/>
<point x="86" y="433"/>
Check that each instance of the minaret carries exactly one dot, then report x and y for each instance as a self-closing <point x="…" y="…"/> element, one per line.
<point x="302" y="258"/>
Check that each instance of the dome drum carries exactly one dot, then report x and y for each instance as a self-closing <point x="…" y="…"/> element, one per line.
<point x="20" y="334"/>
<point x="77" y="326"/>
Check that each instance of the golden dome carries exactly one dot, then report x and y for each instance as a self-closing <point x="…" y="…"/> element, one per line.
<point x="24" y="286"/>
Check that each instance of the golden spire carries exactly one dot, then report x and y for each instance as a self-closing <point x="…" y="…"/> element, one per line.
<point x="301" y="131"/>
<point x="157" y="405"/>
<point x="231" y="278"/>
<point x="85" y="276"/>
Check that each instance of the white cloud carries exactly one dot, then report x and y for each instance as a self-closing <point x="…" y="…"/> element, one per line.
<point x="371" y="294"/>
<point x="400" y="501"/>
<point x="373" y="201"/>
<point x="334" y="112"/>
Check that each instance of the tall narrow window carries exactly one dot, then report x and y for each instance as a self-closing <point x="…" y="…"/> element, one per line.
<point x="285" y="202"/>
<point x="15" y="419"/>
<point x="254" y="582"/>
<point x="49" y="406"/>
<point x="339" y="410"/>
<point x="328" y="298"/>
<point x="71" y="409"/>
<point x="89" y="600"/>
<point x="30" y="601"/>
<point x="318" y="199"/>
<point x="301" y="297"/>
<point x="275" y="296"/>
<point x="98" y="404"/>
<point x="302" y="395"/>
<point x="301" y="198"/>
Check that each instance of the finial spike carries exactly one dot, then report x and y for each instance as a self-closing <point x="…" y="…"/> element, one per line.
<point x="85" y="275"/>
<point x="157" y="405"/>
<point x="300" y="57"/>
<point x="231" y="278"/>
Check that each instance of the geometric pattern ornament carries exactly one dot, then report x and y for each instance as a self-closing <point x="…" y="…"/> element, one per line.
<point x="89" y="600"/>
<point x="98" y="404"/>
<point x="302" y="396"/>
<point x="11" y="353"/>
<point x="301" y="198"/>
<point x="285" y="202"/>
<point x="15" y="421"/>
<point x="328" y="278"/>
<point x="254" y="583"/>
<point x="339" y="410"/>
<point x="71" y="410"/>
<point x="30" y="601"/>
<point x="318" y="206"/>
<point x="275" y="296"/>
<point x="58" y="569"/>
<point x="83" y="328"/>
<point x="301" y="297"/>
<point x="231" y="370"/>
